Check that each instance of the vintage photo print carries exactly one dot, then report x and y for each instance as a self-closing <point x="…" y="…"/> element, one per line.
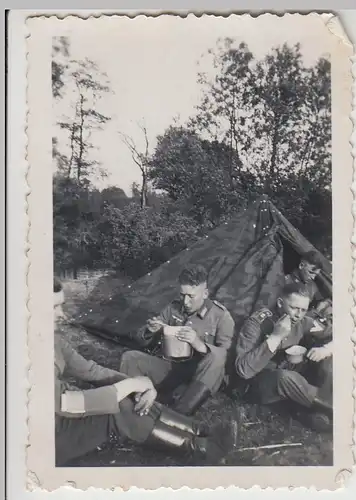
<point x="190" y="256"/>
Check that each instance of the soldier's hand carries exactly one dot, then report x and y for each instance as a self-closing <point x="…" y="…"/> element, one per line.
<point x="154" y="325"/>
<point x="144" y="401"/>
<point x="282" y="327"/>
<point x="142" y="384"/>
<point x="188" y="334"/>
<point x="317" y="354"/>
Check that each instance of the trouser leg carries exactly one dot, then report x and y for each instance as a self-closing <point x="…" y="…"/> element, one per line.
<point x="292" y="385"/>
<point x="77" y="436"/>
<point x="320" y="374"/>
<point x="206" y="381"/>
<point x="210" y="371"/>
<point x="134" y="363"/>
<point x="271" y="386"/>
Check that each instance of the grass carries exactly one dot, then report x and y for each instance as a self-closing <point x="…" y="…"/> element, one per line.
<point x="255" y="425"/>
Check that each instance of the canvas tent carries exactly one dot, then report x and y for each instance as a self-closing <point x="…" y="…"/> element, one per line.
<point x="246" y="258"/>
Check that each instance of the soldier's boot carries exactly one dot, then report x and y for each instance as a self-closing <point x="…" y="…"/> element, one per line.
<point x="172" y="418"/>
<point x="193" y="398"/>
<point x="320" y="405"/>
<point x="185" y="444"/>
<point x="319" y="416"/>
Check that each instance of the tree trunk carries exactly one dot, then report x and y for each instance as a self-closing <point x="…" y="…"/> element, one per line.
<point x="71" y="150"/>
<point x="275" y="138"/>
<point x="144" y="190"/>
<point x="81" y="143"/>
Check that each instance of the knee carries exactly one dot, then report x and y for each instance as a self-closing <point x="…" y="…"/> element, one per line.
<point x="326" y="366"/>
<point x="286" y="378"/>
<point x="211" y="359"/>
<point x="128" y="358"/>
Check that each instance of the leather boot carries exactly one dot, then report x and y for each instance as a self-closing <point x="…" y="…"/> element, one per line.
<point x="183" y="422"/>
<point x="195" y="395"/>
<point x="185" y="444"/>
<point x="322" y="406"/>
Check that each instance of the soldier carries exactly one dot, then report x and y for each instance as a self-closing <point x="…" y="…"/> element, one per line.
<point x="126" y="406"/>
<point x="261" y="358"/>
<point x="206" y="325"/>
<point x="309" y="268"/>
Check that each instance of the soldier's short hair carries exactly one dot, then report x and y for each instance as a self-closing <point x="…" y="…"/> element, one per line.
<point x="297" y="288"/>
<point x="313" y="257"/>
<point x="57" y="285"/>
<point x="193" y="275"/>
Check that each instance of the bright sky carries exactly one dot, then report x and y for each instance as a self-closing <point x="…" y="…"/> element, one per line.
<point x="152" y="67"/>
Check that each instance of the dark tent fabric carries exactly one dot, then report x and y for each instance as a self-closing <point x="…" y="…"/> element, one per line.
<point x="246" y="258"/>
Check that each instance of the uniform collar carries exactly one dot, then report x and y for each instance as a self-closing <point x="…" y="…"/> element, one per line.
<point x="296" y="274"/>
<point x="203" y="311"/>
<point x="205" y="308"/>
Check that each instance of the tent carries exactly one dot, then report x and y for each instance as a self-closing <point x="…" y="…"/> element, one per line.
<point x="246" y="258"/>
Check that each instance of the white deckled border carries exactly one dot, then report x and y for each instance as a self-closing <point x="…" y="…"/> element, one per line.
<point x="114" y="478"/>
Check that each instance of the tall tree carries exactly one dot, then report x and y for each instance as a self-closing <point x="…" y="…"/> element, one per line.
<point x="228" y="101"/>
<point x="87" y="85"/>
<point x="141" y="158"/>
<point x="195" y="174"/>
<point x="60" y="55"/>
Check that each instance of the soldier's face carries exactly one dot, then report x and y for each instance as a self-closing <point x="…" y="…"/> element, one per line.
<point x="58" y="313"/>
<point x="296" y="306"/>
<point x="308" y="271"/>
<point x="193" y="296"/>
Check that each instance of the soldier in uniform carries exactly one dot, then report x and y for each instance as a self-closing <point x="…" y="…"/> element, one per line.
<point x="206" y="325"/>
<point x="84" y="419"/>
<point x="308" y="269"/>
<point x="261" y="359"/>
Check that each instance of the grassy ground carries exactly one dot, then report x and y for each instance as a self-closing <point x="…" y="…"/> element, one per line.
<point x="255" y="425"/>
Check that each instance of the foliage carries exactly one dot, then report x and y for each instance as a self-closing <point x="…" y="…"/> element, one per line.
<point x="76" y="211"/>
<point x="89" y="85"/>
<point x="136" y="240"/>
<point x="263" y="126"/>
<point x="197" y="177"/>
<point x="60" y="53"/>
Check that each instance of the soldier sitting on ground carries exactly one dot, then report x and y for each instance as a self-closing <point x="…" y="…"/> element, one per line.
<point x="261" y="358"/>
<point x="206" y="325"/>
<point x="309" y="268"/>
<point x="125" y="406"/>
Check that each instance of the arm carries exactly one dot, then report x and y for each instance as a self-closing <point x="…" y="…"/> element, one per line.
<point x="103" y="400"/>
<point x="224" y="335"/>
<point x="146" y="334"/>
<point x="252" y="355"/>
<point x="317" y="354"/>
<point x="86" y="370"/>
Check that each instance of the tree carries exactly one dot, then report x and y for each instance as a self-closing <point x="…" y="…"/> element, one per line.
<point x="135" y="240"/>
<point x="87" y="85"/>
<point x="114" y="196"/>
<point x="228" y="101"/>
<point x="141" y="160"/>
<point x="76" y="212"/>
<point x="60" y="54"/>
<point x="279" y="128"/>
<point x="195" y="174"/>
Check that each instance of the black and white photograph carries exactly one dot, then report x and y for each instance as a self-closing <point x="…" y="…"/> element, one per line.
<point x="195" y="219"/>
<point x="192" y="249"/>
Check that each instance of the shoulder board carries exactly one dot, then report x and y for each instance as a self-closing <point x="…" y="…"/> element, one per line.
<point x="261" y="314"/>
<point x="219" y="305"/>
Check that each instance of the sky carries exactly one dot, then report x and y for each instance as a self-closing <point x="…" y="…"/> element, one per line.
<point x="152" y="66"/>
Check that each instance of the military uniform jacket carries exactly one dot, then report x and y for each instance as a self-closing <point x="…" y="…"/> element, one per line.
<point x="212" y="322"/>
<point x="101" y="400"/>
<point x="252" y="350"/>
<point x="312" y="287"/>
